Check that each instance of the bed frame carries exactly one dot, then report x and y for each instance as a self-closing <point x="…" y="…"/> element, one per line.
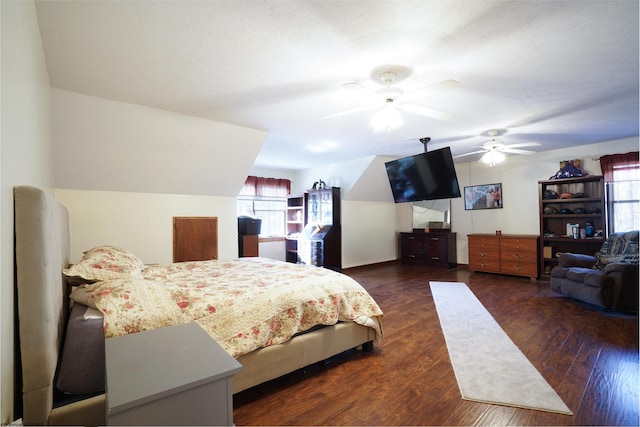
<point x="41" y="252"/>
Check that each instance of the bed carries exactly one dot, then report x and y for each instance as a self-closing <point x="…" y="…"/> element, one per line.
<point x="44" y="300"/>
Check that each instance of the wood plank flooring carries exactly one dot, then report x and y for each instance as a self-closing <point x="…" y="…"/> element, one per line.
<point x="589" y="357"/>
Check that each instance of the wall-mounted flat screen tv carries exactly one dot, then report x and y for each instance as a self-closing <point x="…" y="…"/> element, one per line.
<point x="425" y="176"/>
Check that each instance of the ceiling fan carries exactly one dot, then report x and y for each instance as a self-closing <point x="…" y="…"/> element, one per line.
<point x="391" y="98"/>
<point x="494" y="150"/>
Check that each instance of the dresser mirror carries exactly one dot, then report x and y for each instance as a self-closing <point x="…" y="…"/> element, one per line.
<point x="426" y="211"/>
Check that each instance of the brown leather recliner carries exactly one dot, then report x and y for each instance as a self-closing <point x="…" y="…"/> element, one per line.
<point x="609" y="279"/>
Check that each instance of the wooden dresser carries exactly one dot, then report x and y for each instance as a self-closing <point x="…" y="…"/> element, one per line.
<point x="515" y="254"/>
<point x="437" y="248"/>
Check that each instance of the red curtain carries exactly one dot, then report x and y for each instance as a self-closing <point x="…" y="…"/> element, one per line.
<point x="266" y="187"/>
<point x="612" y="162"/>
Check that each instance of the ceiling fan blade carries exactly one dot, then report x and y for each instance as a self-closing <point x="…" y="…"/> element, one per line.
<point x="351" y="111"/>
<point x="514" y="151"/>
<point x="468" y="154"/>
<point x="423" y="111"/>
<point x="357" y="87"/>
<point x="523" y="144"/>
<point x="428" y="90"/>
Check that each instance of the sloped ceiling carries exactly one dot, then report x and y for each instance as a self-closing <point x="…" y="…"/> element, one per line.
<point x="559" y="73"/>
<point x="373" y="183"/>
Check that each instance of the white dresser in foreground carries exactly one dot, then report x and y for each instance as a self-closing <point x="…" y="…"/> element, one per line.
<point x="175" y="376"/>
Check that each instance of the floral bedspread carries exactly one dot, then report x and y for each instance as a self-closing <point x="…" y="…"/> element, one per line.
<point x="243" y="304"/>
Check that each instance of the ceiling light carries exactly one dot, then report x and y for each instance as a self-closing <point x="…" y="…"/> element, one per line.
<point x="386" y="119"/>
<point x="493" y="157"/>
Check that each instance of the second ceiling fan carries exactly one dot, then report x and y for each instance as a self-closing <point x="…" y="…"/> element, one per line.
<point x="391" y="98"/>
<point x="494" y="150"/>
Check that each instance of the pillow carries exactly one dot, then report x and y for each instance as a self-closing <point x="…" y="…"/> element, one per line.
<point x="82" y="295"/>
<point x="104" y="263"/>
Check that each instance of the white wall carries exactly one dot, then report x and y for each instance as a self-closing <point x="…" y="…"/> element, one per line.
<point x="114" y="146"/>
<point x="368" y="232"/>
<point x="143" y="222"/>
<point x="25" y="153"/>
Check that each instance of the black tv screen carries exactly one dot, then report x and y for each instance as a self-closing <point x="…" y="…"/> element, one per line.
<point x="425" y="176"/>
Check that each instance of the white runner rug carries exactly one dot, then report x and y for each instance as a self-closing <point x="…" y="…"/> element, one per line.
<point x="488" y="366"/>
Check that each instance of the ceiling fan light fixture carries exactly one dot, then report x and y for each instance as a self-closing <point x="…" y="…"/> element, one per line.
<point x="387" y="119"/>
<point x="493" y="157"/>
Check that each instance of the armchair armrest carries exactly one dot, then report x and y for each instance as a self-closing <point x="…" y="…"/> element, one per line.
<point x="625" y="285"/>
<point x="622" y="267"/>
<point x="568" y="259"/>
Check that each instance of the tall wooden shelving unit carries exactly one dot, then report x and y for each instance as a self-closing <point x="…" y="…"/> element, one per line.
<point x="553" y="226"/>
<point x="325" y="246"/>
<point x="320" y="208"/>
<point x="296" y="219"/>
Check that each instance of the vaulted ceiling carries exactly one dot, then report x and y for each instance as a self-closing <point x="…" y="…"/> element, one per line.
<point x="559" y="73"/>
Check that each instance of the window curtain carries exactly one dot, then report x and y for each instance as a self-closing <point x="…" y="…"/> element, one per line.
<point x="612" y="162"/>
<point x="266" y="187"/>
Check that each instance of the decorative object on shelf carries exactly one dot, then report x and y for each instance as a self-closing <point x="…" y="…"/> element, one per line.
<point x="589" y="229"/>
<point x="487" y="196"/>
<point x="575" y="162"/>
<point x="569" y="169"/>
<point x="319" y="185"/>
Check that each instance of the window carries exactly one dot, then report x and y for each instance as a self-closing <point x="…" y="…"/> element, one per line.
<point x="622" y="181"/>
<point x="265" y="198"/>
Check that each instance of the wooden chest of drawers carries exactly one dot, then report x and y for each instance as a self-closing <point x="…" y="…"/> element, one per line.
<point x="515" y="254"/>
<point x="437" y="249"/>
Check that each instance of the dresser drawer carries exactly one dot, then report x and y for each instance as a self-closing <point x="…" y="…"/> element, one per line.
<point x="484" y="247"/>
<point x="490" y="250"/>
<point x="529" y="269"/>
<point x="484" y="264"/>
<point x="437" y="245"/>
<point x="517" y="255"/>
<point x="519" y="245"/>
<point x="484" y="241"/>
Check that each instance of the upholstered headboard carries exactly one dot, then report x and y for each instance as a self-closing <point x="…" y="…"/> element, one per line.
<point x="41" y="252"/>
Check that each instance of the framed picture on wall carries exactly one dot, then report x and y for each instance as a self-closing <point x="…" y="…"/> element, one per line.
<point x="488" y="196"/>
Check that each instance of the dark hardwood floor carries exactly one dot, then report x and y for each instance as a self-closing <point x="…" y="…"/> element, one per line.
<point x="589" y="357"/>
